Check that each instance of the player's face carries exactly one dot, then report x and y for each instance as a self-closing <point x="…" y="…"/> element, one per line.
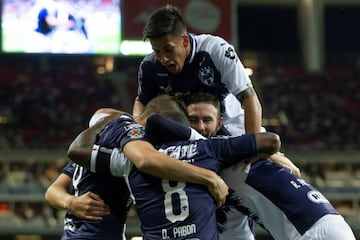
<point x="171" y="51"/>
<point x="204" y="118"/>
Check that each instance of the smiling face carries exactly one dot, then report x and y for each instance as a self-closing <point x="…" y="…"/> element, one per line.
<point x="171" y="51"/>
<point x="205" y="118"/>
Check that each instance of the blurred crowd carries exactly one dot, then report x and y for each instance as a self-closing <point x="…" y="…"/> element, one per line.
<point x="316" y="111"/>
<point x="44" y="104"/>
<point x="47" y="106"/>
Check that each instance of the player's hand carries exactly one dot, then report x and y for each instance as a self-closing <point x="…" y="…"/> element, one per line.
<point x="282" y="160"/>
<point x="88" y="206"/>
<point x="219" y="190"/>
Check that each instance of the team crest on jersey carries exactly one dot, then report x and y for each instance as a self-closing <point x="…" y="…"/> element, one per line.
<point x="206" y="76"/>
<point x="136" y="131"/>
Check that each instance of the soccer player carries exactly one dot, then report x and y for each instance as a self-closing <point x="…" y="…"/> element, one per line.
<point x="180" y="208"/>
<point x="183" y="63"/>
<point x="95" y="210"/>
<point x="282" y="203"/>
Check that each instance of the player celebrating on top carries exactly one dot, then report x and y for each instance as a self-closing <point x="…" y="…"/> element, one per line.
<point x="183" y="63"/>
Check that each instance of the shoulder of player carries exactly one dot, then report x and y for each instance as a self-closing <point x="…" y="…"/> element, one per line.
<point x="149" y="59"/>
<point x="148" y="66"/>
<point x="105" y="115"/>
<point x="209" y="42"/>
<point x="109" y="111"/>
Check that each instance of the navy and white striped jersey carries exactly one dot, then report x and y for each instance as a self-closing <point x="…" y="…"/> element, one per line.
<point x="114" y="192"/>
<point x="212" y="66"/>
<point x="169" y="209"/>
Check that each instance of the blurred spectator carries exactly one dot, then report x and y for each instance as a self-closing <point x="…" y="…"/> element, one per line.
<point x="320" y="113"/>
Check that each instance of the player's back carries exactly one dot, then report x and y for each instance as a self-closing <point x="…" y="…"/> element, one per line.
<point x="277" y="194"/>
<point x="175" y="210"/>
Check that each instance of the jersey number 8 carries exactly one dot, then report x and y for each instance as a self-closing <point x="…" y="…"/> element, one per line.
<point x="172" y="192"/>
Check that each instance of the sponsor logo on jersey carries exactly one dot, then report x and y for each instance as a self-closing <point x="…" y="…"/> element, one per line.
<point x="230" y="53"/>
<point x="206" y="76"/>
<point x="316" y="197"/>
<point x="182" y="151"/>
<point x="135" y="131"/>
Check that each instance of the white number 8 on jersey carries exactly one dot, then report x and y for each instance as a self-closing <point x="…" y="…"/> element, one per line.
<point x="168" y="203"/>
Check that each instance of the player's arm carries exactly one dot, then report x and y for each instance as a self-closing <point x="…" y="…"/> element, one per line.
<point x="282" y="160"/>
<point x="162" y="129"/>
<point x="267" y="143"/>
<point x="253" y="114"/>
<point x="234" y="76"/>
<point x="138" y="107"/>
<point x="148" y="160"/>
<point x="79" y="150"/>
<point x="252" y="109"/>
<point x="88" y="206"/>
<point x="248" y="146"/>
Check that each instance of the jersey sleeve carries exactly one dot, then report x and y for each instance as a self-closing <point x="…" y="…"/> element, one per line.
<point x="146" y="76"/>
<point x="119" y="132"/>
<point x="107" y="156"/>
<point x="69" y="168"/>
<point x="228" y="63"/>
<point x="96" y="117"/>
<point x="109" y="161"/>
<point x="232" y="150"/>
<point x="161" y="129"/>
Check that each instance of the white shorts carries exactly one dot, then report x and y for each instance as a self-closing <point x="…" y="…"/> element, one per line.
<point x="329" y="227"/>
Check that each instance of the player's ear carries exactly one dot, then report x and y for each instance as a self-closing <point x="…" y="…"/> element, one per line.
<point x="186" y="40"/>
<point x="219" y="123"/>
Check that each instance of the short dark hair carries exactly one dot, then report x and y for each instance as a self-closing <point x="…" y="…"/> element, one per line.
<point x="166" y="20"/>
<point x="206" y="97"/>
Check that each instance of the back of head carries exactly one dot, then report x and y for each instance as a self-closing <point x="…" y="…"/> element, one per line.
<point x="165" y="104"/>
<point x="166" y="20"/>
<point x="177" y="116"/>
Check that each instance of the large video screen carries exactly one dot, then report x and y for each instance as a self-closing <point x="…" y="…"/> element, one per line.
<point x="61" y="26"/>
